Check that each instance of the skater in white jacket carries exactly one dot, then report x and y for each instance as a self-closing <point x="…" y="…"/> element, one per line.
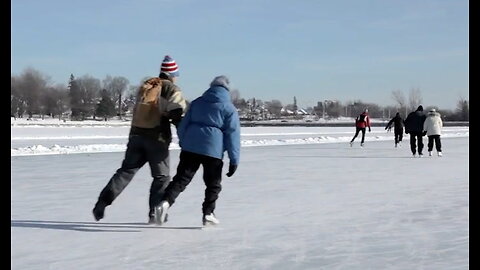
<point x="433" y="127"/>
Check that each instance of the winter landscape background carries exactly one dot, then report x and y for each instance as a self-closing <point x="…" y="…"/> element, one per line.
<point x="302" y="198"/>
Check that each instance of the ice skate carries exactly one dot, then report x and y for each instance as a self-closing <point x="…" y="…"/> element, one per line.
<point x="161" y="212"/>
<point x="151" y="219"/>
<point x="440" y="154"/>
<point x="430" y="153"/>
<point x="210" y="220"/>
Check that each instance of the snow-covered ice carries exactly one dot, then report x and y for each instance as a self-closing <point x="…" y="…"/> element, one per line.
<point x="302" y="198"/>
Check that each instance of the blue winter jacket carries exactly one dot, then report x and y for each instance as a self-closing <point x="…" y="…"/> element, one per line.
<point x="211" y="126"/>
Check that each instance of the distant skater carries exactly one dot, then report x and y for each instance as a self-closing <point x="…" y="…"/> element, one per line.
<point x="433" y="127"/>
<point x="414" y="127"/>
<point x="397" y="123"/>
<point x="361" y="123"/>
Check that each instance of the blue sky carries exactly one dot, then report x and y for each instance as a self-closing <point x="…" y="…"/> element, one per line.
<point x="270" y="49"/>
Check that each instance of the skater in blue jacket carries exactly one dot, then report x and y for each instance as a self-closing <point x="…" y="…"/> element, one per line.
<point x="210" y="127"/>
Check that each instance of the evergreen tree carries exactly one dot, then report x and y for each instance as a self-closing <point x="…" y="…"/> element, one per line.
<point x="106" y="107"/>
<point x="75" y="98"/>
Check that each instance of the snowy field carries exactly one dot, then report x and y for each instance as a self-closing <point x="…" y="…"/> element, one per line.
<point x="302" y="198"/>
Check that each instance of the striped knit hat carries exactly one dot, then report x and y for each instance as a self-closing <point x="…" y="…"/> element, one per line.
<point x="169" y="67"/>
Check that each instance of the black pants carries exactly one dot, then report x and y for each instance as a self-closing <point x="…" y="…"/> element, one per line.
<point x="187" y="167"/>
<point x="141" y="150"/>
<point x="414" y="137"/>
<point x="398" y="136"/>
<point x="356" y="134"/>
<point x="438" y="143"/>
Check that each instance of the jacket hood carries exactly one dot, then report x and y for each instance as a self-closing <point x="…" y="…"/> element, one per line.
<point x="216" y="94"/>
<point x="221" y="80"/>
<point x="433" y="113"/>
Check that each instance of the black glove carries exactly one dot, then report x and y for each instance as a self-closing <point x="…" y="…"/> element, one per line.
<point x="231" y="169"/>
<point x="175" y="116"/>
<point x="424" y="133"/>
<point x="369" y="129"/>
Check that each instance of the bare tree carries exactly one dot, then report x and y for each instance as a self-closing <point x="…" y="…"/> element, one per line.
<point x="49" y="101"/>
<point x="117" y="86"/>
<point x="16" y="99"/>
<point x="235" y="94"/>
<point x="400" y="99"/>
<point x="334" y="108"/>
<point x="238" y="102"/>
<point x="462" y="110"/>
<point x="390" y="111"/>
<point x="90" y="94"/>
<point x="31" y="85"/>
<point x="274" y="107"/>
<point x="55" y="100"/>
<point x="358" y="106"/>
<point x="415" y="98"/>
<point x="374" y="110"/>
<point x="63" y="104"/>
<point x="130" y="100"/>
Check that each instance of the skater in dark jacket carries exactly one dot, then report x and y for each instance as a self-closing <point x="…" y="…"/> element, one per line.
<point x="210" y="127"/>
<point x="397" y="123"/>
<point x="159" y="104"/>
<point x="414" y="127"/>
<point x="361" y="123"/>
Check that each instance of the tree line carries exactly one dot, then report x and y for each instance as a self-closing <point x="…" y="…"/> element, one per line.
<point x="87" y="97"/>
<point x="83" y="97"/>
<point x="404" y="104"/>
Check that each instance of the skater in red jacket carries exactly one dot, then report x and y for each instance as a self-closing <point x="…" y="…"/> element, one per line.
<point x="361" y="123"/>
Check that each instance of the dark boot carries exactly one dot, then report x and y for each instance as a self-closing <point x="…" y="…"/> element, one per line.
<point x="99" y="210"/>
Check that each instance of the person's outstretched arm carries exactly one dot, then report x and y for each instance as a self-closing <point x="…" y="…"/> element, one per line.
<point x="231" y="140"/>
